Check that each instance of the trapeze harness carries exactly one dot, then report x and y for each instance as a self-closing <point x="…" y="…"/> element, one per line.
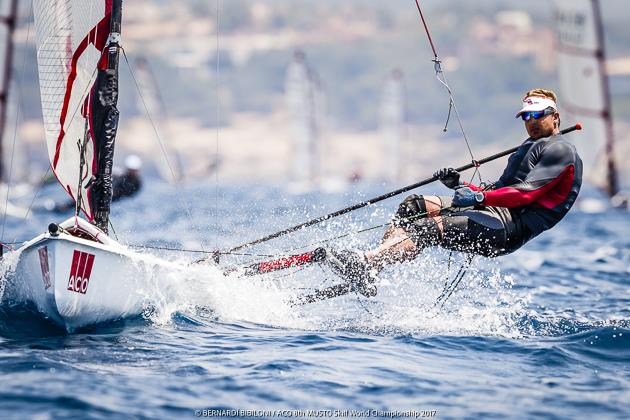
<point x="538" y="187"/>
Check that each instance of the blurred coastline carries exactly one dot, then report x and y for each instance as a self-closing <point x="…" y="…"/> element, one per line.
<point x="492" y="52"/>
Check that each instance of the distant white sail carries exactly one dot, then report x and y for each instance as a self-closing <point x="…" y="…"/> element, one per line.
<point x="584" y="94"/>
<point x="8" y="12"/>
<point x="304" y="100"/>
<point x="392" y="124"/>
<point x="71" y="36"/>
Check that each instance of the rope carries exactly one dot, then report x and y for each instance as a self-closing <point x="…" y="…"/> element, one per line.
<point x="441" y="77"/>
<point x="290" y="251"/>
<point x="157" y="134"/>
<point x="148" y="114"/>
<point x="111" y="225"/>
<point x="4" y="245"/>
<point x="450" y="286"/>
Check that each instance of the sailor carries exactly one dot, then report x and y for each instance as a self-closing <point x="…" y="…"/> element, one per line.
<point x="536" y="190"/>
<point x="128" y="183"/>
<point x="125" y="183"/>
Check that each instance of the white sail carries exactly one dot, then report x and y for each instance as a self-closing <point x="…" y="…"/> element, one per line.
<point x="71" y="36"/>
<point x="7" y="25"/>
<point x="392" y="123"/>
<point x="303" y="98"/>
<point x="584" y="95"/>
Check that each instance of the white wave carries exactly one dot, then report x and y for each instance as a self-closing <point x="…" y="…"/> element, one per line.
<point x="483" y="304"/>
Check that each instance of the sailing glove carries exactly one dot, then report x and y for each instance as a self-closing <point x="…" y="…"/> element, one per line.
<point x="448" y="177"/>
<point x="465" y="197"/>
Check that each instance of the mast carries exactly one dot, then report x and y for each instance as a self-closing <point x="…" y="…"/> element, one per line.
<point x="584" y="89"/>
<point x="104" y="117"/>
<point x="9" y="22"/>
<point x="612" y="186"/>
<point x="305" y="102"/>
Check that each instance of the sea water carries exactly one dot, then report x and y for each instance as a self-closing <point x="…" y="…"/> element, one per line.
<point x="542" y="333"/>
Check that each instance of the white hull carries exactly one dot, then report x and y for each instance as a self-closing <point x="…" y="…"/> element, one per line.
<point x="78" y="282"/>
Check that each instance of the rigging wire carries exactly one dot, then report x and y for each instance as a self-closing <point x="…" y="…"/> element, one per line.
<point x="149" y="116"/>
<point x="156" y="132"/>
<point x="287" y="252"/>
<point x="39" y="189"/>
<point x="441" y="77"/>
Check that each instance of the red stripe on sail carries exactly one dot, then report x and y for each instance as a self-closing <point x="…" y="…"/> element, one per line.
<point x="98" y="37"/>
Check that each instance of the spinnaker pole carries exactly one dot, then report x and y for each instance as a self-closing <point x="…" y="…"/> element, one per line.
<point x="105" y="121"/>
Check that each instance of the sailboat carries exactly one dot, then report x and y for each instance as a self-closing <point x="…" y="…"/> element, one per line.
<point x="392" y="124"/>
<point x="585" y="92"/>
<point x="75" y="274"/>
<point x="303" y="99"/>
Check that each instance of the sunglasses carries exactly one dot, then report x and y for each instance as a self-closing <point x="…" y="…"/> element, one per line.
<point x="528" y="115"/>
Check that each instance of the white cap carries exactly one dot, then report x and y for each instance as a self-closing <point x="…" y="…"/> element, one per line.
<point x="133" y="162"/>
<point x="536" y="103"/>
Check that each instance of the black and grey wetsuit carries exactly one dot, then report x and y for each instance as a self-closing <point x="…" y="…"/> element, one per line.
<point x="538" y="187"/>
<point x="126" y="185"/>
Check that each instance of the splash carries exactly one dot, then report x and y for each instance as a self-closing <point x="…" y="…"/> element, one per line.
<point x="7" y="268"/>
<point x="483" y="304"/>
<point x="182" y="287"/>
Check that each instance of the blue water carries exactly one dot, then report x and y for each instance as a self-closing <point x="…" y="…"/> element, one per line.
<point x="544" y="332"/>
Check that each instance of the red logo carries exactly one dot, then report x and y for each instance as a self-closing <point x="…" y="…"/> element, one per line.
<point x="80" y="272"/>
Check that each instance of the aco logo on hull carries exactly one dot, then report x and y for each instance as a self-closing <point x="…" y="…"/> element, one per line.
<point x="80" y="272"/>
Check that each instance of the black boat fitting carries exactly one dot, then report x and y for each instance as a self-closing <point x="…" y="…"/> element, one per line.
<point x="53" y="229"/>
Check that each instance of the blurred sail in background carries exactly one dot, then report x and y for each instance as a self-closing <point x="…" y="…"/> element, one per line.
<point x="150" y="101"/>
<point x="306" y="105"/>
<point x="14" y="164"/>
<point x="584" y="92"/>
<point x="392" y="124"/>
<point x="11" y="159"/>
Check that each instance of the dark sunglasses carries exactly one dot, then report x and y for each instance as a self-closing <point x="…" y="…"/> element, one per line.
<point x="528" y="115"/>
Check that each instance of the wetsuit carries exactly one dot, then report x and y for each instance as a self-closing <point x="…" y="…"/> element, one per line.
<point x="536" y="190"/>
<point x="125" y="185"/>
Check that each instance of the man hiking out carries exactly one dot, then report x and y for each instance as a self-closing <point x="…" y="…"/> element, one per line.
<point x="536" y="190"/>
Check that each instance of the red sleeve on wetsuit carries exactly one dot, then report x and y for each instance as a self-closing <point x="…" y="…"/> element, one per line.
<point x="472" y="186"/>
<point x="548" y="195"/>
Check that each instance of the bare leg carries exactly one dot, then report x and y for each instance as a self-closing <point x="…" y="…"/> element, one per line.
<point x="396" y="245"/>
